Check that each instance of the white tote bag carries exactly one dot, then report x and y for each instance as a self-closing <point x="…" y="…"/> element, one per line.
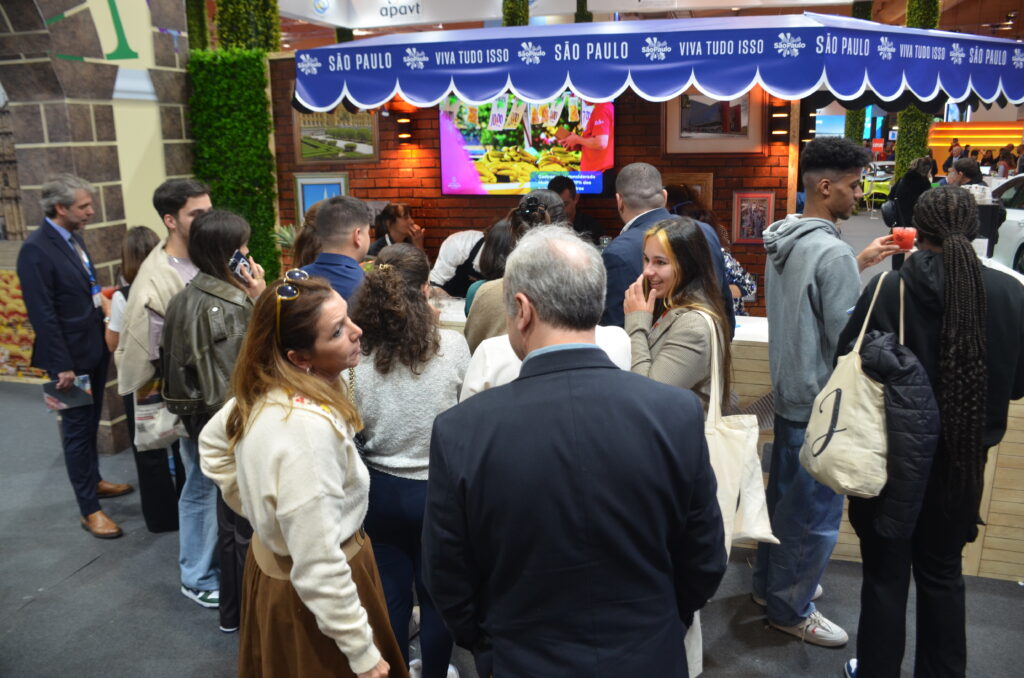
<point x="732" y="446"/>
<point x="155" y="427"/>
<point x="845" y="445"/>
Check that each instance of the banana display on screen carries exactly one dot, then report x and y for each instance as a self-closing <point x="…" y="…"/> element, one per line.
<point x="515" y="164"/>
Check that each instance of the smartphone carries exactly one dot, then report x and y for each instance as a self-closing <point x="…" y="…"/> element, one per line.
<point x="647" y="287"/>
<point x="238" y="262"/>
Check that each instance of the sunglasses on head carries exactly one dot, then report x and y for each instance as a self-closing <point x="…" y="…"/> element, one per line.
<point x="286" y="291"/>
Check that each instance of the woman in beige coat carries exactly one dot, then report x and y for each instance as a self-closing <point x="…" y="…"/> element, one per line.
<point x="671" y="341"/>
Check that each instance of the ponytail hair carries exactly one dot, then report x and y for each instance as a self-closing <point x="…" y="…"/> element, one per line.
<point x="399" y="326"/>
<point x="948" y="216"/>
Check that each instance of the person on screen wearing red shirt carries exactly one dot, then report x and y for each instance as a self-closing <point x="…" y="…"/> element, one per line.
<point x="596" y="140"/>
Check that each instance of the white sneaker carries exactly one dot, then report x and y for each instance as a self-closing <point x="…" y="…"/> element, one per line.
<point x="816" y="630"/>
<point x="452" y="671"/>
<point x="416" y="668"/>
<point x="758" y="600"/>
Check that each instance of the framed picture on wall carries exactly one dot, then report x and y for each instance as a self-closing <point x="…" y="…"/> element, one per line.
<point x="335" y="137"/>
<point x="752" y="213"/>
<point x="312" y="188"/>
<point x="700" y="182"/>
<point x="695" y="123"/>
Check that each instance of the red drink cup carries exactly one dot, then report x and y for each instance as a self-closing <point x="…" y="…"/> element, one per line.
<point x="108" y="292"/>
<point x="904" y="236"/>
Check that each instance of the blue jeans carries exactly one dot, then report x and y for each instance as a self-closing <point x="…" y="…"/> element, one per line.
<point x="197" y="521"/>
<point x="805" y="518"/>
<point x="394" y="522"/>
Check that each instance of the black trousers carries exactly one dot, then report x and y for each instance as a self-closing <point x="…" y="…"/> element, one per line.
<point x="233" y="536"/>
<point x="79" y="426"/>
<point x="158" y="488"/>
<point x="933" y="555"/>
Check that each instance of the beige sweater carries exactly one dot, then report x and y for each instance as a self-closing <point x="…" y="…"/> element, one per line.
<point x="487" y="314"/>
<point x="676" y="350"/>
<point x="297" y="477"/>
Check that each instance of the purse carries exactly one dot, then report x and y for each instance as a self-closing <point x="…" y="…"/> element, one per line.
<point x="155" y="427"/>
<point x="732" y="446"/>
<point x="846" y="444"/>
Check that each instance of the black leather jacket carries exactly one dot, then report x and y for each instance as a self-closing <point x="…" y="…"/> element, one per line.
<point x="203" y="332"/>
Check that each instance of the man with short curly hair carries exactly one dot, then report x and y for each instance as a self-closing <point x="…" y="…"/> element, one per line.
<point x="813" y="279"/>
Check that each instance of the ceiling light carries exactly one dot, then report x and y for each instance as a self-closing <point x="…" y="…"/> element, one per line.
<point x="403" y="121"/>
<point x="404" y="135"/>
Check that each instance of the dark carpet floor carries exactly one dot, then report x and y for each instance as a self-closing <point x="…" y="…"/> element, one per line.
<point x="72" y="605"/>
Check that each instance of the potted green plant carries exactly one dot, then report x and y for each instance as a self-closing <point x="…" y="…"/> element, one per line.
<point x="284" y="238"/>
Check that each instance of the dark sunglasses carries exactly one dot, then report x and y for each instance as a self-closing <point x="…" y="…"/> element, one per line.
<point x="286" y="292"/>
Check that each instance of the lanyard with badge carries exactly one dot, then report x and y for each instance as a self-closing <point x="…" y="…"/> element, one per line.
<point x="94" y="288"/>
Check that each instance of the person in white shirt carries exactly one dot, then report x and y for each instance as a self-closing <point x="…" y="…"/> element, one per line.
<point x="458" y="263"/>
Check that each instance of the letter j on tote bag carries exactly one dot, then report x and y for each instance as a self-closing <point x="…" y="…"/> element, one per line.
<point x="845" y="445"/>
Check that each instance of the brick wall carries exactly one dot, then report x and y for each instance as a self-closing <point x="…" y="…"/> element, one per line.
<point x="411" y="172"/>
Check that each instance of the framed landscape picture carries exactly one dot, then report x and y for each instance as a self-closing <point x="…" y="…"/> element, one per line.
<point x="312" y="188"/>
<point x="695" y="123"/>
<point x="752" y="213"/>
<point x="336" y="137"/>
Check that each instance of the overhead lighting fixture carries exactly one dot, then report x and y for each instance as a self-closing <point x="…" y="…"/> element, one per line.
<point x="403" y="121"/>
<point x="405" y="135"/>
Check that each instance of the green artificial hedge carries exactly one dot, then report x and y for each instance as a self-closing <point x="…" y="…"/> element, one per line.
<point x="912" y="139"/>
<point x="248" y="24"/>
<point x="515" y="12"/>
<point x="231" y="125"/>
<point x="195" y="16"/>
<point x="862" y="9"/>
<point x="583" y="15"/>
<point x="854" y="130"/>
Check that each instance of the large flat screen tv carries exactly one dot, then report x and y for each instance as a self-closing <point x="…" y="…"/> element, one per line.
<point x="510" y="146"/>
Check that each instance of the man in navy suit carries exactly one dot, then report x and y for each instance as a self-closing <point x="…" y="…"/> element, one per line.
<point x="640" y="197"/>
<point x="557" y="544"/>
<point x="68" y="312"/>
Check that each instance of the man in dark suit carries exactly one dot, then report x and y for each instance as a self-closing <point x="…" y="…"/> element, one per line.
<point x="68" y="312"/>
<point x="640" y="197"/>
<point x="557" y="544"/>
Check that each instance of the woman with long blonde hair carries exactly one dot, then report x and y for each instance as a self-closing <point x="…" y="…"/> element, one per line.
<point x="671" y="340"/>
<point x="282" y="452"/>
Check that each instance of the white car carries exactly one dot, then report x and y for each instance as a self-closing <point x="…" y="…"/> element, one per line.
<point x="1009" y="250"/>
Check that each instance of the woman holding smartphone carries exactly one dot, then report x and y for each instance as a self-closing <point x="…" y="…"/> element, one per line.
<point x="203" y="333"/>
<point x="283" y="453"/>
<point x="671" y="341"/>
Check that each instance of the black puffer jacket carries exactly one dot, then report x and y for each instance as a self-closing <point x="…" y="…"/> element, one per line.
<point x="1004" y="329"/>
<point x="912" y="420"/>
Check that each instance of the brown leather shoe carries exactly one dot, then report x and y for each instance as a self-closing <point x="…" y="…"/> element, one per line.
<point x="105" y="490"/>
<point x="100" y="526"/>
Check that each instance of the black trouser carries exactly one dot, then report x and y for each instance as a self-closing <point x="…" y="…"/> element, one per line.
<point x="79" y="426"/>
<point x="233" y="536"/>
<point x="933" y="555"/>
<point x="158" y="489"/>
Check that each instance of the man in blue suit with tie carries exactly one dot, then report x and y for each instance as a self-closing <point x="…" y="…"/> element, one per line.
<point x="640" y="198"/>
<point x="68" y="312"/>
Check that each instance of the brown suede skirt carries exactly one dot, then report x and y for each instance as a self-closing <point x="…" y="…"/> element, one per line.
<point x="279" y="637"/>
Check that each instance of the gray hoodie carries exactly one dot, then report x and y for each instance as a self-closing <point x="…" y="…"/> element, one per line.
<point x="813" y="280"/>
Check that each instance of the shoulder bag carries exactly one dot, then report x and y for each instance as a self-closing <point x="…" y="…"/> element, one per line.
<point x="846" y="445"/>
<point x="732" y="446"/>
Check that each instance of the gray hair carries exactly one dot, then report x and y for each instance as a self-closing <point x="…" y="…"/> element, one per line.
<point x="60" y="190"/>
<point x="640" y="186"/>
<point x="561" y="274"/>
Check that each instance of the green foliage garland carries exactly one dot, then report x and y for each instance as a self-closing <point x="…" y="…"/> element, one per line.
<point x="862" y="9"/>
<point x="912" y="140"/>
<point x="583" y="15"/>
<point x="248" y="24"/>
<point x="198" y="34"/>
<point x="515" y="12"/>
<point x="342" y="34"/>
<point x="231" y="125"/>
<point x="854" y="130"/>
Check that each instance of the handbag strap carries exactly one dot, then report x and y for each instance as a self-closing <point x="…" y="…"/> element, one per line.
<point x="902" y="286"/>
<point x="715" y="404"/>
<point x="867" y="317"/>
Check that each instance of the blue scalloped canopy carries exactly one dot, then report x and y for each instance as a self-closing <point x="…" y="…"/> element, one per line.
<point x="791" y="56"/>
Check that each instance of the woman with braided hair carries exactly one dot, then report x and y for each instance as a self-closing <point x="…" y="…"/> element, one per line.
<point x="965" y="323"/>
